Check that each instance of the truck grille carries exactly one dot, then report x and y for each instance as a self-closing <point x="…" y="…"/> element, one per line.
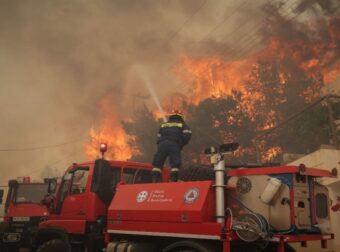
<point x="321" y="205"/>
<point x="33" y="221"/>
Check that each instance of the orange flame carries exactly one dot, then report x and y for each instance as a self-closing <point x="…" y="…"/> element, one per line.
<point x="214" y="76"/>
<point x="110" y="132"/>
<point x="271" y="153"/>
<point x="211" y="77"/>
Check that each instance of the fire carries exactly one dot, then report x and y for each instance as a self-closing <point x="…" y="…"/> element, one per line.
<point x="311" y="60"/>
<point x="111" y="133"/>
<point x="271" y="153"/>
<point x="211" y="77"/>
<point x="301" y="59"/>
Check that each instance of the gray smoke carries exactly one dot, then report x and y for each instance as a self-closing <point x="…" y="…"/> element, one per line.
<point x="58" y="58"/>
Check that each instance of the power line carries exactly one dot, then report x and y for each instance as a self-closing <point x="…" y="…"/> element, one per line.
<point x="53" y="164"/>
<point x="248" y="43"/>
<point x="250" y="33"/>
<point x="225" y="19"/>
<point x="187" y="21"/>
<point x="42" y="147"/>
<point x="216" y="27"/>
<point x="250" y="36"/>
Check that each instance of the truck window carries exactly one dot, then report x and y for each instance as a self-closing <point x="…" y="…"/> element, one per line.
<point x="79" y="181"/>
<point x="73" y="182"/>
<point x="115" y="173"/>
<point x="65" y="186"/>
<point x="136" y="176"/>
<point x="31" y="193"/>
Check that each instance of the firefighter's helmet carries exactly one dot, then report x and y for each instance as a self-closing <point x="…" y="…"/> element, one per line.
<point x="175" y="114"/>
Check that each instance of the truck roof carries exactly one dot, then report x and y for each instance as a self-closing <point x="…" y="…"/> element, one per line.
<point x="116" y="163"/>
<point x="280" y="170"/>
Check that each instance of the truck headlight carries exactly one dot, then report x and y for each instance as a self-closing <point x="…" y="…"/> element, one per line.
<point x="11" y="237"/>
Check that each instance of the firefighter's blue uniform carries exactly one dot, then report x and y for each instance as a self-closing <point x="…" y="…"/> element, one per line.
<point x="172" y="136"/>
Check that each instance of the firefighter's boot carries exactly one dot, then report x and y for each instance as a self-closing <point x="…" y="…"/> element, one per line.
<point x="174" y="174"/>
<point x="156" y="175"/>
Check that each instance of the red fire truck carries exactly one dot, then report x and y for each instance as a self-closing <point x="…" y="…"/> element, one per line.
<point x="111" y="206"/>
<point x="23" y="212"/>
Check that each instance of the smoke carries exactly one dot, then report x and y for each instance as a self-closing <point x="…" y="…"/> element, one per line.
<point x="59" y="58"/>
<point x="142" y="74"/>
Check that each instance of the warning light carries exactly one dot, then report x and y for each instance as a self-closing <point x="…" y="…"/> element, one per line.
<point x="103" y="149"/>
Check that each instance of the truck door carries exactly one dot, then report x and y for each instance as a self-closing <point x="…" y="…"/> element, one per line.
<point x="72" y="197"/>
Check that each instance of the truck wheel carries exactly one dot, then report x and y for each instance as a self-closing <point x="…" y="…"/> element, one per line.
<point x="10" y="249"/>
<point x="55" y="245"/>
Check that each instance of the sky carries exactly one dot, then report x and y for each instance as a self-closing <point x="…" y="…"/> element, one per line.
<point x="58" y="59"/>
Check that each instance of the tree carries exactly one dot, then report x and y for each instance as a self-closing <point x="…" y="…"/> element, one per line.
<point x="143" y="131"/>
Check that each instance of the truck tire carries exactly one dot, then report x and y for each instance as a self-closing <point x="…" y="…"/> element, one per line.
<point x="56" y="245"/>
<point x="10" y="249"/>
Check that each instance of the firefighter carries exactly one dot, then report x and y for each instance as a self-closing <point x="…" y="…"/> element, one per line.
<point x="173" y="135"/>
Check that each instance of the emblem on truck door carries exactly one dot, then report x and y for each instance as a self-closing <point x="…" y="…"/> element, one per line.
<point x="142" y="196"/>
<point x="191" y="195"/>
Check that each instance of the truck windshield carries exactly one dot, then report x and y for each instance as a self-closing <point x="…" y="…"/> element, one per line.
<point x="31" y="193"/>
<point x="136" y="176"/>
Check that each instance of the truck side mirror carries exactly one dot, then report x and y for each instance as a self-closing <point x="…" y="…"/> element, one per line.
<point x="52" y="186"/>
<point x="1" y="195"/>
<point x="102" y="180"/>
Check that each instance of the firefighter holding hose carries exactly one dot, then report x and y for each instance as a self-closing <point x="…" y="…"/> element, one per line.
<point x="173" y="135"/>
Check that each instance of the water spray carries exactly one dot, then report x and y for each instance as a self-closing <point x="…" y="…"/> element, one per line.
<point x="144" y="77"/>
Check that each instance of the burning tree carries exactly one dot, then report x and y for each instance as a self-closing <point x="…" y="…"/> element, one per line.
<point x="237" y="100"/>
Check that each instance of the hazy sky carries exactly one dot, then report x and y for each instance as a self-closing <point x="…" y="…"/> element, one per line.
<point x="59" y="58"/>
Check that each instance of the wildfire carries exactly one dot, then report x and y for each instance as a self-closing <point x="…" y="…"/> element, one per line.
<point x="110" y="132"/>
<point x="286" y="61"/>
<point x="283" y="62"/>
<point x="211" y="77"/>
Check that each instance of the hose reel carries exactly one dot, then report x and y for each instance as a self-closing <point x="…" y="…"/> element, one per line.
<point x="251" y="227"/>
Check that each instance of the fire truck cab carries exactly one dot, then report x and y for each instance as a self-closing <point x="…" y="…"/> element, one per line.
<point x="78" y="215"/>
<point x="23" y="212"/>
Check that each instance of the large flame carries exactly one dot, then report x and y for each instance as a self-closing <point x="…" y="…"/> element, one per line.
<point x="311" y="59"/>
<point x="211" y="77"/>
<point x="215" y="76"/>
<point x="110" y="132"/>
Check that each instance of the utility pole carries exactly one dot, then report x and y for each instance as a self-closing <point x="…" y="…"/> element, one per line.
<point x="332" y="125"/>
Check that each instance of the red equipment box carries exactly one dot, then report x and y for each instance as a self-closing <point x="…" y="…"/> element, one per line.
<point x="164" y="202"/>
